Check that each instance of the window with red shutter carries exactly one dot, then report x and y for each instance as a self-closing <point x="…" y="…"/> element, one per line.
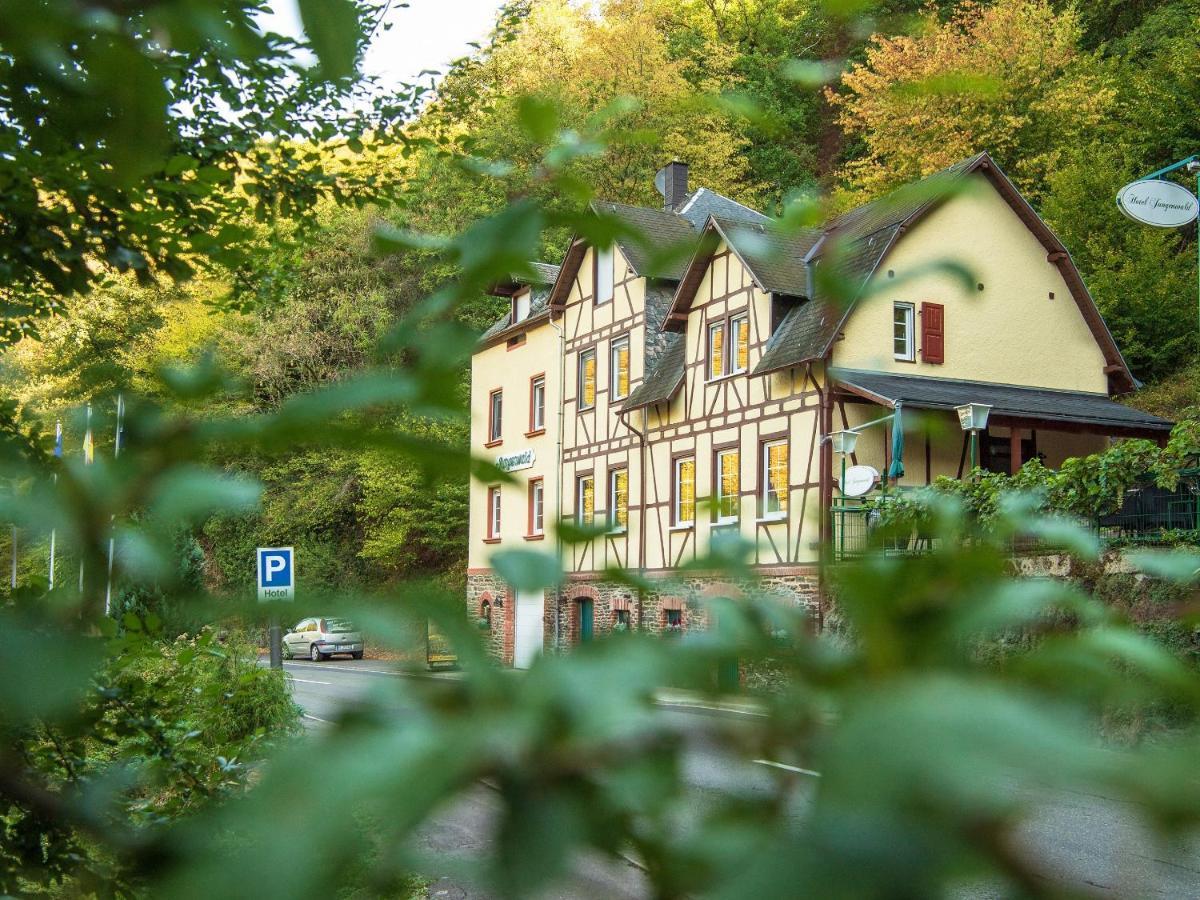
<point x="933" y="333"/>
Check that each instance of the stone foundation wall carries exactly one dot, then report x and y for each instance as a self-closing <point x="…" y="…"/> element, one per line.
<point x="655" y="612"/>
<point x="489" y="597"/>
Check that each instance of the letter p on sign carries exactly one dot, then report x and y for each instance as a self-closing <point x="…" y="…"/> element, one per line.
<point x="276" y="573"/>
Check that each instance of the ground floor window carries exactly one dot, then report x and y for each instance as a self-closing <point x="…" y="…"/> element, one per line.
<point x="673" y="621"/>
<point x="622" y="620"/>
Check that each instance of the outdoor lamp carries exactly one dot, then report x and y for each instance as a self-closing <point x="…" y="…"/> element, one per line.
<point x="844" y="442"/>
<point x="973" y="416"/>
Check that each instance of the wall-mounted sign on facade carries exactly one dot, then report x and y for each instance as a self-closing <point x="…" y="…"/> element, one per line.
<point x="1153" y="201"/>
<point x="511" y="462"/>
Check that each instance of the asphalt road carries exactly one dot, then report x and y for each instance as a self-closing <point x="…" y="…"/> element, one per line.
<point x="1091" y="844"/>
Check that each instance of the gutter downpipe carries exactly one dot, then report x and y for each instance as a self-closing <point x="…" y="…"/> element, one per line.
<point x="641" y="435"/>
<point x="825" y="532"/>
<point x="558" y="468"/>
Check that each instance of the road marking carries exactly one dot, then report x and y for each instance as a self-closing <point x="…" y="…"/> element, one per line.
<point x="732" y="710"/>
<point x="316" y="718"/>
<point x="787" y="768"/>
<point x="309" y="681"/>
<point x="292" y="665"/>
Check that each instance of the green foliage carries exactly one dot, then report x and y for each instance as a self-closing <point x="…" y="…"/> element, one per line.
<point x="167" y="726"/>
<point x="150" y="141"/>
<point x="137" y="764"/>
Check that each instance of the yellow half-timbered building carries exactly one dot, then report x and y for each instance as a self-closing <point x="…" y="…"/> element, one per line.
<point x="689" y="395"/>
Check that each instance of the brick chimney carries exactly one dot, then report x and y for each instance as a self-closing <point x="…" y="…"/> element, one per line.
<point x="672" y="183"/>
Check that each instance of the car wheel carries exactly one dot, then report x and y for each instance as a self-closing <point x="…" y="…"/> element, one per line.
<point x="315" y="655"/>
<point x="357" y="655"/>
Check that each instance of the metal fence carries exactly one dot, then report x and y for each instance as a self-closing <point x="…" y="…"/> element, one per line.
<point x="1148" y="515"/>
<point x="1152" y="515"/>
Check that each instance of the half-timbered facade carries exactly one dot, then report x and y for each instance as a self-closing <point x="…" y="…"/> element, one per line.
<point x="699" y="387"/>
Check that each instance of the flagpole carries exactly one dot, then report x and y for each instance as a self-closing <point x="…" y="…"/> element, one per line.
<point x="87" y="459"/>
<point x="53" y="531"/>
<point x="113" y="519"/>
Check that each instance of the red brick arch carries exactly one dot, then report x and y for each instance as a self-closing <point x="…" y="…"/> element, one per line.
<point x="583" y="591"/>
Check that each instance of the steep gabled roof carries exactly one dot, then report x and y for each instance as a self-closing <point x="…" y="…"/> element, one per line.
<point x="838" y="277"/>
<point x="854" y="244"/>
<point x="774" y="258"/>
<point x="659" y="230"/>
<point x="661" y="240"/>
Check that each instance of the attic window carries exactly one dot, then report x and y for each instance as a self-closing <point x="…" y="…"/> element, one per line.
<point x="520" y="306"/>
<point x="604" y="274"/>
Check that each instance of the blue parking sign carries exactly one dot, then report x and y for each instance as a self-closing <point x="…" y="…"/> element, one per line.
<point x="276" y="573"/>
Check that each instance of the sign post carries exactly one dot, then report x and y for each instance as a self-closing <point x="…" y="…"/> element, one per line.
<point x="1164" y="204"/>
<point x="276" y="581"/>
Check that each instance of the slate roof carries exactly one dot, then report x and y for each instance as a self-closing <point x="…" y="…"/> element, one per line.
<point x="776" y="259"/>
<point x="667" y="238"/>
<point x="852" y="246"/>
<point x="661" y="383"/>
<point x="1006" y="400"/>
<point x="825" y="270"/>
<point x="703" y="204"/>
<point x="539" y="295"/>
<point x="839" y="276"/>
<point x="903" y="203"/>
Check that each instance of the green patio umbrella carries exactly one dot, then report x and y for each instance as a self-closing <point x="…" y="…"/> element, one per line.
<point x="896" y="469"/>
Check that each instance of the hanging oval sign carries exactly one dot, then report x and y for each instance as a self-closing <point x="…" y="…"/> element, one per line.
<point x="859" y="480"/>
<point x="1163" y="204"/>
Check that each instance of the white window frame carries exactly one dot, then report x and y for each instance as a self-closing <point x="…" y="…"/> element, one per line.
<point x="613" y="506"/>
<point x="494" y="513"/>
<point x="495" y="416"/>
<point x="676" y="512"/>
<point x="583" y="355"/>
<point x="732" y="342"/>
<point x="579" y="504"/>
<point x="520" y="305"/>
<point x="537" y="514"/>
<point x="614" y="392"/>
<point x="765" y="491"/>
<point x="708" y="358"/>
<point x="910" y="323"/>
<point x="538" y="419"/>
<point x="719" y="494"/>
<point x="605" y="273"/>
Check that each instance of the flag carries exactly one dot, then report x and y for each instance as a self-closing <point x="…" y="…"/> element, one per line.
<point x="89" y="446"/>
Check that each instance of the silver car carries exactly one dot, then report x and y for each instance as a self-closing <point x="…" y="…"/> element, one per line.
<point x="320" y="638"/>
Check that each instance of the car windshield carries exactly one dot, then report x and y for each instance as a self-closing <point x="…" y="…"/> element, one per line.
<point x="337" y="625"/>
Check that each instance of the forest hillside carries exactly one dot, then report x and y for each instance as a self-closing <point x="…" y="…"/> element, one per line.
<point x="1070" y="98"/>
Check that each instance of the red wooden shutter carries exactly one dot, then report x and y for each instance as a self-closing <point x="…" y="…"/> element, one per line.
<point x="933" y="333"/>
